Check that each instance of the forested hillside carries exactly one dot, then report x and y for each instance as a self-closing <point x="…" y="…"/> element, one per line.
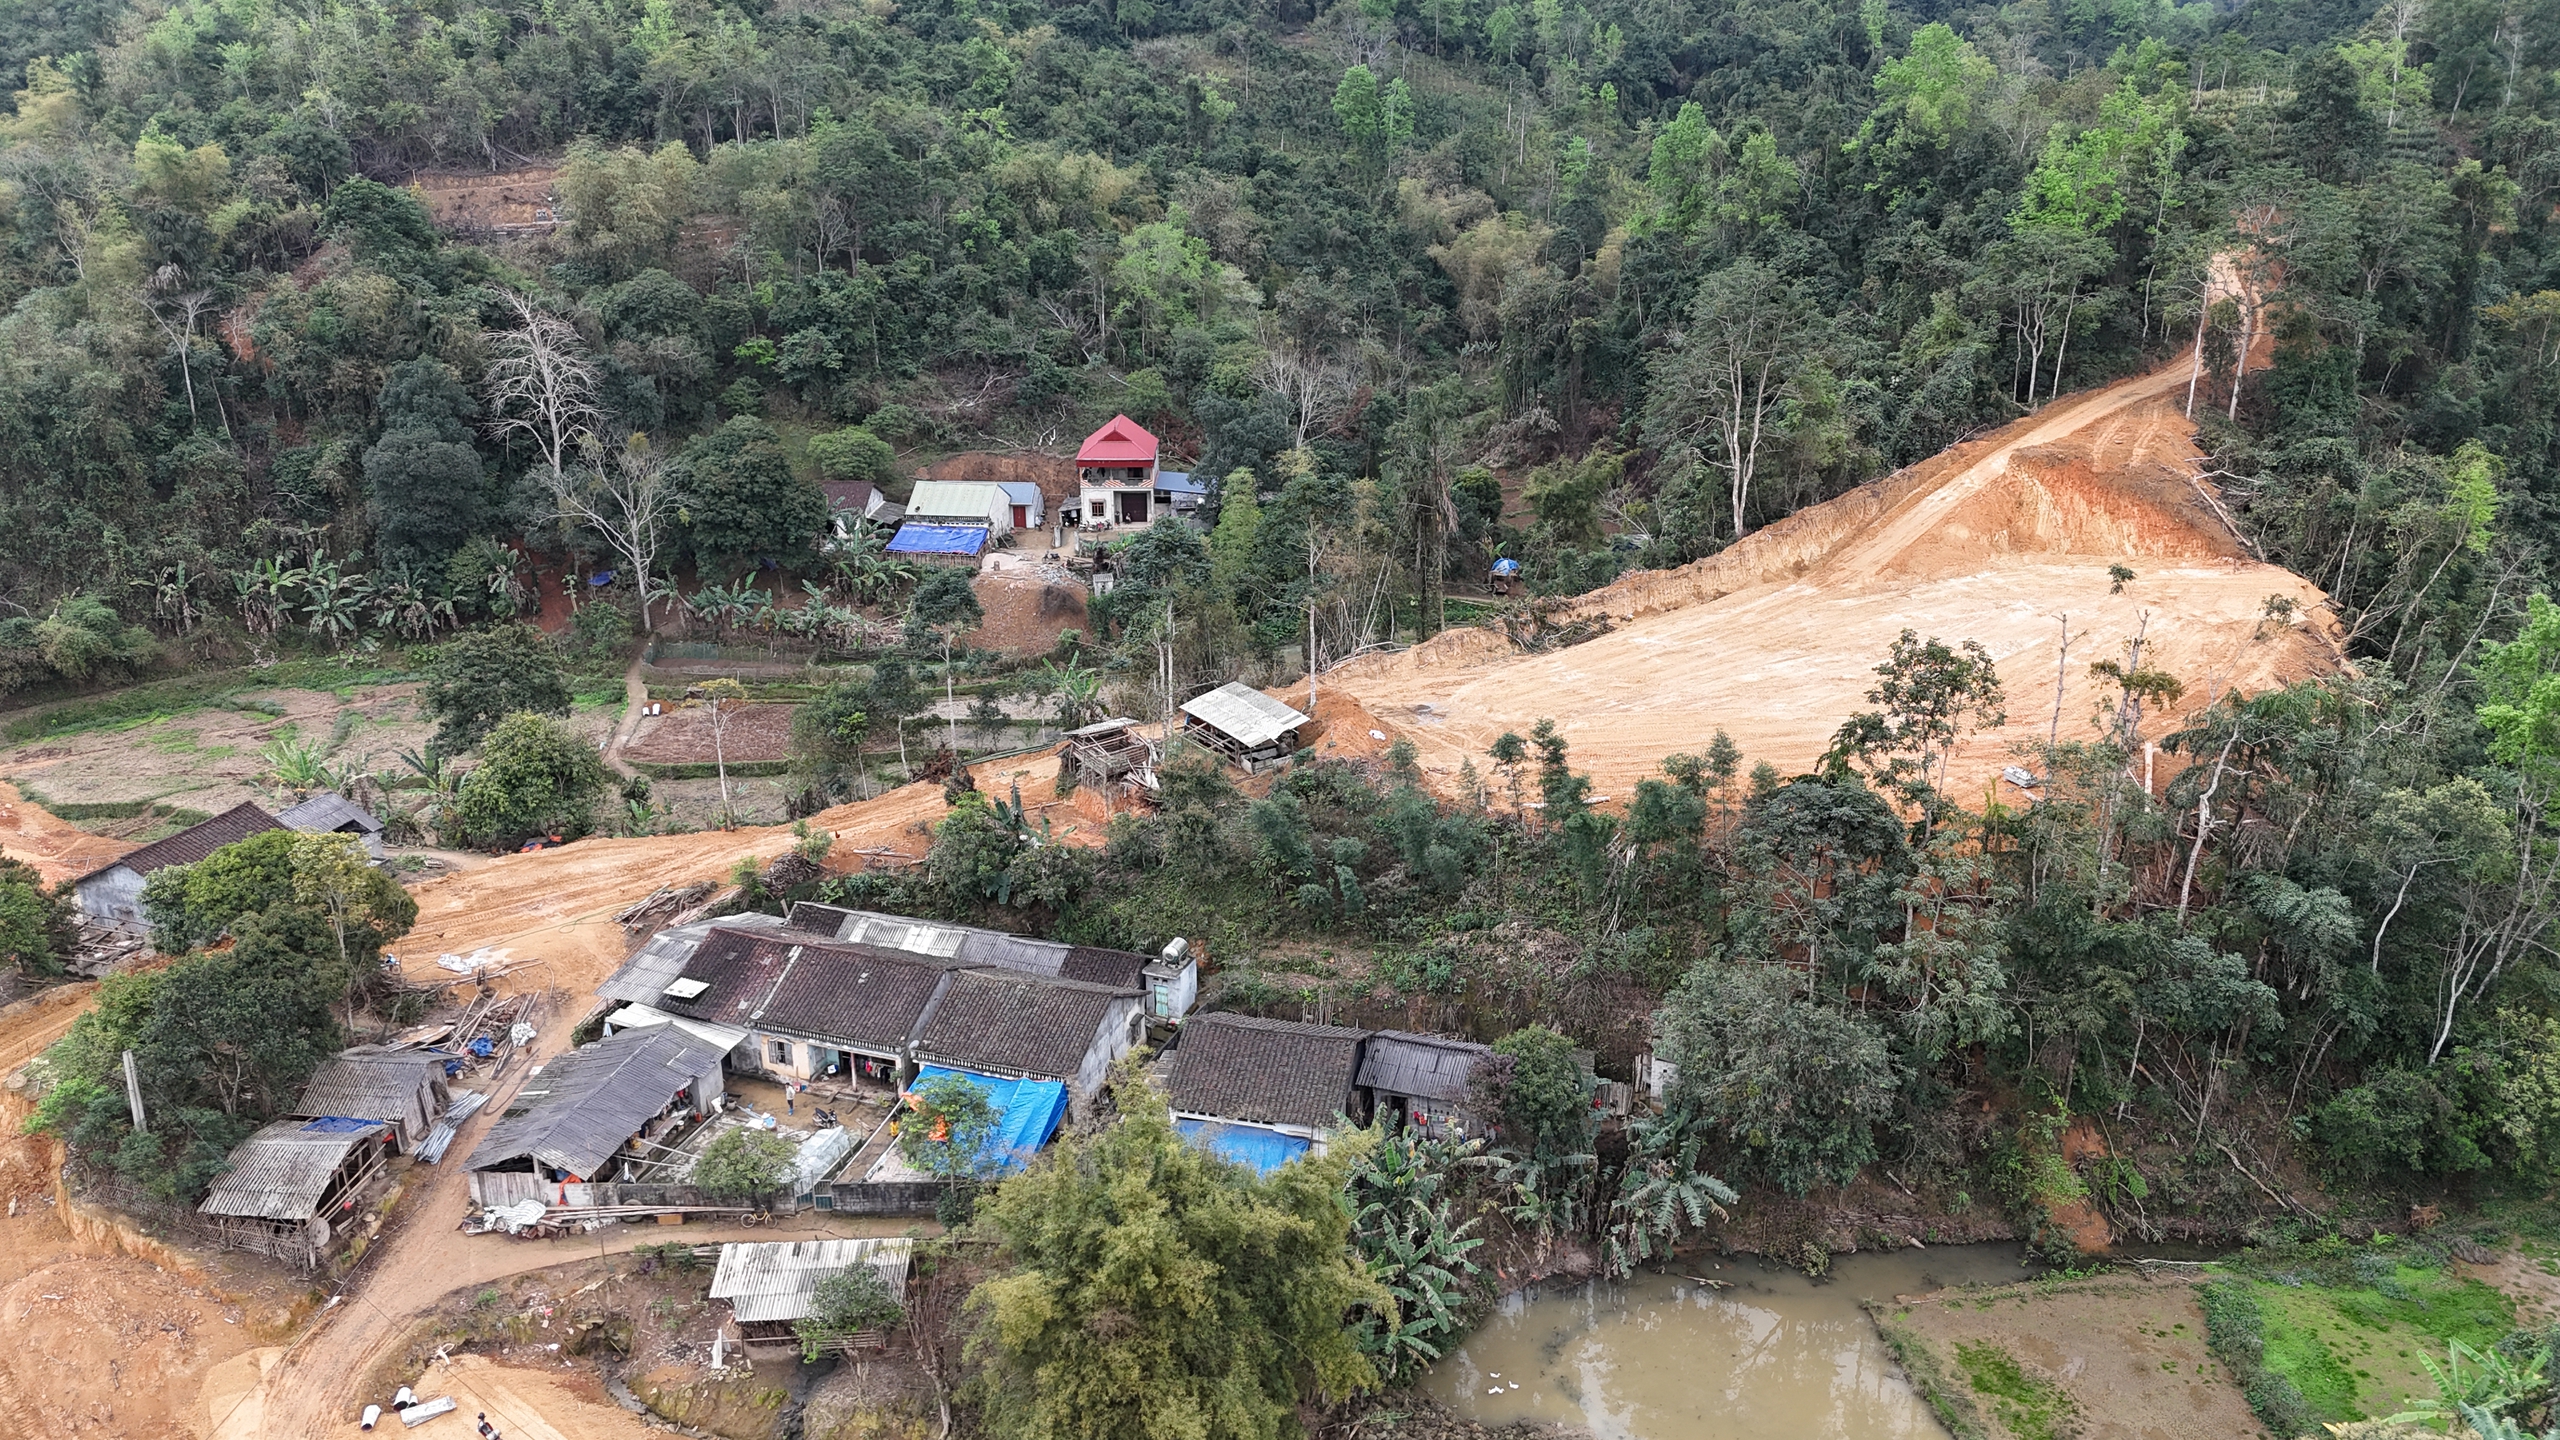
<point x="1412" y="284"/>
<point x="1388" y="249"/>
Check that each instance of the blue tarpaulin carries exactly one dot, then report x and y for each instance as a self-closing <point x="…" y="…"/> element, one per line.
<point x="938" y="540"/>
<point x="1264" y="1150"/>
<point x="1506" y="567"/>
<point x="1027" y="1114"/>
<point x="340" y="1125"/>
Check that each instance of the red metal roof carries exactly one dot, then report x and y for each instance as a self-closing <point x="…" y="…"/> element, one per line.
<point x="1122" y="442"/>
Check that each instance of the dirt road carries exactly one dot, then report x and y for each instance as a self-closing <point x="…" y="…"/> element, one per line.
<point x="556" y="906"/>
<point x="1775" y="639"/>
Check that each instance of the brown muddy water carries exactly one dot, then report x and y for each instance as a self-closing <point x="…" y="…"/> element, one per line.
<point x="1778" y="1356"/>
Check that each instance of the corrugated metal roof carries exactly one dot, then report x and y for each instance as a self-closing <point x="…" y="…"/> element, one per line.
<point x="1021" y="492"/>
<point x="1180" y="482"/>
<point x="376" y="1085"/>
<point x="584" y="1105"/>
<point x="1432" y="1067"/>
<point x="1244" y="714"/>
<point x="280" y="1172"/>
<point x="1270" y="1072"/>
<point x="193" y="843"/>
<point x="972" y="945"/>
<point x="779" y="1280"/>
<point x="660" y="963"/>
<point x="325" y="812"/>
<point x="954" y="500"/>
<point x="636" y="1016"/>
<point x="917" y="537"/>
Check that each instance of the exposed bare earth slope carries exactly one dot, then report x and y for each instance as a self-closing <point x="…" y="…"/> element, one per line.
<point x="1775" y="639"/>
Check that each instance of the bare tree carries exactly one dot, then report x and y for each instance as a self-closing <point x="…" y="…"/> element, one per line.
<point x="162" y="297"/>
<point x="542" y="384"/>
<point x="623" y="493"/>
<point x="1313" y="385"/>
<point x="1720" y="388"/>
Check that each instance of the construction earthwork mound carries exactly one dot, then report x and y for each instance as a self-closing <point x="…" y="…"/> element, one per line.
<point x="2004" y="540"/>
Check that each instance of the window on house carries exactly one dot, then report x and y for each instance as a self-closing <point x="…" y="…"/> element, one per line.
<point x="778" y="1051"/>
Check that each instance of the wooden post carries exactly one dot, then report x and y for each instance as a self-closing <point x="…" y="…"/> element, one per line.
<point x="133" y="1093"/>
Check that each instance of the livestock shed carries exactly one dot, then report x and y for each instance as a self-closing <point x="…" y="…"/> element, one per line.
<point x="772" y="1285"/>
<point x="330" y="813"/>
<point x="1244" y="725"/>
<point x="1263" y="1092"/>
<point x="585" y="1113"/>
<point x="1427" y="1080"/>
<point x="291" y="1188"/>
<point x="403" y="1089"/>
<point x="1111" y="752"/>
<point x="112" y="893"/>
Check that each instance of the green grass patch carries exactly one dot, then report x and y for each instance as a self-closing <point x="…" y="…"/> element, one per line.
<point x="2029" y="1407"/>
<point x="2354" y="1350"/>
<point x="155" y="700"/>
<point x="709" y="770"/>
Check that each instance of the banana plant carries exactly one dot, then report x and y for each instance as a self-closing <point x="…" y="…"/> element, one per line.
<point x="297" y="763"/>
<point x="333" y="601"/>
<point x="1405" y="1227"/>
<point x="1079" y="692"/>
<point x="2474" y="1381"/>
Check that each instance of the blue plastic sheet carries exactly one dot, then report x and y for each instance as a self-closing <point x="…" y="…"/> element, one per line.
<point x="340" y="1125"/>
<point x="1264" y="1150"/>
<point x="1028" y="1112"/>
<point x="938" y="540"/>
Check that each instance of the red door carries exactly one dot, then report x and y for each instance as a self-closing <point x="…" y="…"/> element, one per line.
<point x="1021" y="517"/>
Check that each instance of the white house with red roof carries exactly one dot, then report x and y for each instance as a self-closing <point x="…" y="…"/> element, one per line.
<point x="1117" y="475"/>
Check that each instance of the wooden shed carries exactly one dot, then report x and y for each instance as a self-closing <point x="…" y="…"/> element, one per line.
<point x="293" y="1187"/>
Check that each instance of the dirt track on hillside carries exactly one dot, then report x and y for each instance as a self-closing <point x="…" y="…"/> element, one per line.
<point x="58" y="849"/>
<point x="1775" y="639"/>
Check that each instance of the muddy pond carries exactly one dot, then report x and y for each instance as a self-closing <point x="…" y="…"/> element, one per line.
<point x="1776" y="1356"/>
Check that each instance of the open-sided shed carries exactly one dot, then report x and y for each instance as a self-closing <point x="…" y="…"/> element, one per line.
<point x="769" y="1286"/>
<point x="1243" y="724"/>
<point x="292" y="1186"/>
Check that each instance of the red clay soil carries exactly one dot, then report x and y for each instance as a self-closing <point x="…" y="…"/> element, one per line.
<point x="1024" y="615"/>
<point x="477" y="199"/>
<point x="683" y="735"/>
<point x="1776" y="638"/>
<point x="58" y="849"/>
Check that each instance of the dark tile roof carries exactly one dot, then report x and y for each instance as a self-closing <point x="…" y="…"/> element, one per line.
<point x="195" y="842"/>
<point x="850" y="495"/>
<point x="1001" y="1022"/>
<point x="1120" y="969"/>
<point x="858" y="995"/>
<point x="1433" y="1067"/>
<point x="585" y="1104"/>
<point x="1270" y="1072"/>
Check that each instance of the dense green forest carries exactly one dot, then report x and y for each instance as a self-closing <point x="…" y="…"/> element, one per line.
<point x="1675" y="268"/>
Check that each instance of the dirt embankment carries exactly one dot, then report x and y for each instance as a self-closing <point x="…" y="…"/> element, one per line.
<point x="58" y="849"/>
<point x="2005" y="540"/>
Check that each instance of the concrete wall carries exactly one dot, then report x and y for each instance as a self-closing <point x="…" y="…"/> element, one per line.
<point x="113" y="896"/>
